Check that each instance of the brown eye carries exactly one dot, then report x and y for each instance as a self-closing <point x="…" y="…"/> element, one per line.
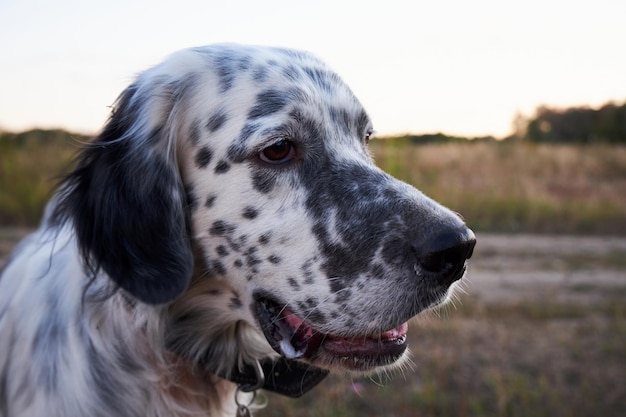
<point x="368" y="135"/>
<point x="278" y="153"/>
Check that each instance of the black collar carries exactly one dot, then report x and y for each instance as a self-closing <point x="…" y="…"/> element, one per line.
<point x="283" y="376"/>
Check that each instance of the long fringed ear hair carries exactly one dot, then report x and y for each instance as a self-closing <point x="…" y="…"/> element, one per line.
<point x="126" y="199"/>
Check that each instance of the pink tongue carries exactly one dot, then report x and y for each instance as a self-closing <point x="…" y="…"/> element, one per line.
<point x="390" y="342"/>
<point x="291" y="319"/>
<point x="396" y="333"/>
<point x="296" y="322"/>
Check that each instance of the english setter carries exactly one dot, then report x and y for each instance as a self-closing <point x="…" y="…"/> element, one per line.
<point x="226" y="231"/>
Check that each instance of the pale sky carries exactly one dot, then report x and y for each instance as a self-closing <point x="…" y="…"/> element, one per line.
<point x="462" y="67"/>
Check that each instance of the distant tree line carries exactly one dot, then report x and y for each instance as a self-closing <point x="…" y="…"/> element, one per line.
<point x="577" y="125"/>
<point x="427" y="138"/>
<point x="38" y="137"/>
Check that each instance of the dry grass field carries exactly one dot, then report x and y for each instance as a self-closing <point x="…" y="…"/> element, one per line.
<point x="497" y="187"/>
<point x="518" y="187"/>
<point x="30" y="166"/>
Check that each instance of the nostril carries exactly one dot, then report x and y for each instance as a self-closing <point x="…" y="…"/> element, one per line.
<point x="447" y="258"/>
<point x="434" y="262"/>
<point x="446" y="253"/>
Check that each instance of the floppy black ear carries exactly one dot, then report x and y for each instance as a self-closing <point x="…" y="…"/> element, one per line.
<point x="127" y="202"/>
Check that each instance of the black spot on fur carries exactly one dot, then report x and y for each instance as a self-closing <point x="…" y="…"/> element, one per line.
<point x="243" y="63"/>
<point x="260" y="74"/>
<point x="252" y="260"/>
<point x="234" y="244"/>
<point x="238" y="263"/>
<point x="210" y="200"/>
<point x="216" y="121"/>
<point x="223" y="65"/>
<point x="203" y="157"/>
<point x="222" y="167"/>
<point x="250" y="213"/>
<point x="216" y="267"/>
<point x="316" y="316"/>
<point x="268" y="102"/>
<point x="312" y="302"/>
<point x="307" y="272"/>
<point x="274" y="259"/>
<point x="221" y="228"/>
<point x="222" y="250"/>
<point x="248" y="130"/>
<point x="293" y="283"/>
<point x="265" y="238"/>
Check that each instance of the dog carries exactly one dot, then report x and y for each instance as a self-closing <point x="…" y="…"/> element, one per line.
<point x="227" y="231"/>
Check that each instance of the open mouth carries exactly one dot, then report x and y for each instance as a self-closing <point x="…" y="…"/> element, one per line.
<point x="293" y="338"/>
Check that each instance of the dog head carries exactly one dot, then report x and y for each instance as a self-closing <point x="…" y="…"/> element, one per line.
<point x="234" y="184"/>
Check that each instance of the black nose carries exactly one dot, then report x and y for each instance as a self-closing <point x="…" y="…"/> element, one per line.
<point x="445" y="253"/>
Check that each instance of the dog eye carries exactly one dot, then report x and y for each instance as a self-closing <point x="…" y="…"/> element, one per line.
<point x="278" y="153"/>
<point x="368" y="135"/>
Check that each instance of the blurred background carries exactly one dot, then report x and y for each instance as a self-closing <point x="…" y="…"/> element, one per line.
<point x="511" y="113"/>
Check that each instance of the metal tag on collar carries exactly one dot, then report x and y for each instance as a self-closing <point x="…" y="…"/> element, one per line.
<point x="243" y="409"/>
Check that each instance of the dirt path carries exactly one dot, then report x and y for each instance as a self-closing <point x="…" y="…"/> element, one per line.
<point x="515" y="268"/>
<point x="519" y="268"/>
